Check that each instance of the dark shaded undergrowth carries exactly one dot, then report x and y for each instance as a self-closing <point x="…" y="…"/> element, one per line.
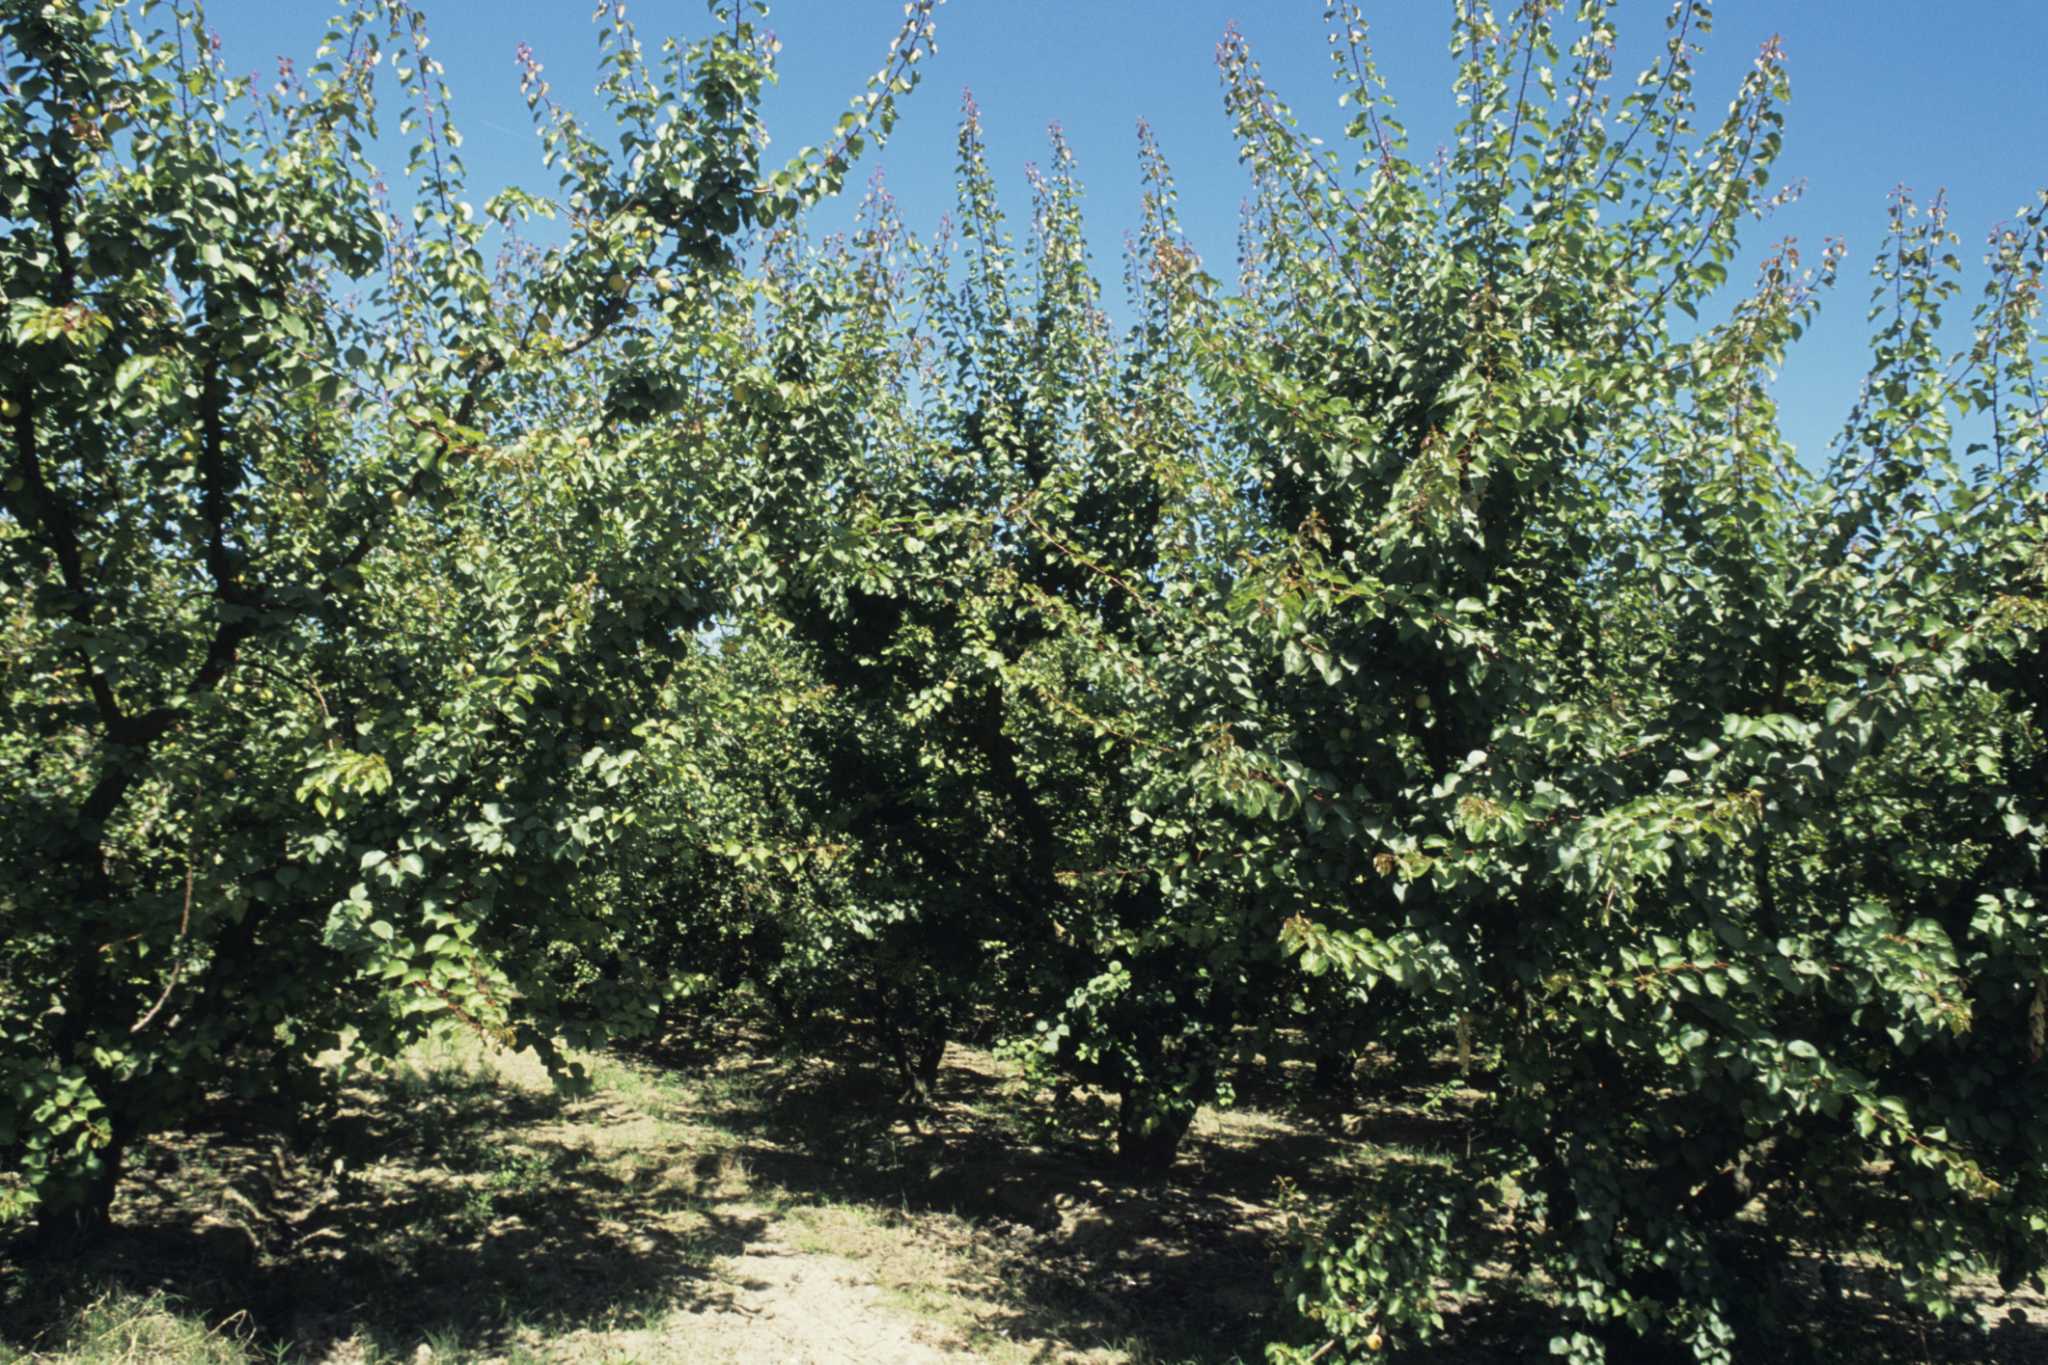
<point x="461" y="1206"/>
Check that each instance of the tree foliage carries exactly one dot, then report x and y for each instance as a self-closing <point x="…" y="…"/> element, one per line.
<point x="340" y="558"/>
<point x="1427" y="641"/>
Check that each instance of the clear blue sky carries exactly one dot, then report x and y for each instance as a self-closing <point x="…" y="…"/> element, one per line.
<point x="1935" y="95"/>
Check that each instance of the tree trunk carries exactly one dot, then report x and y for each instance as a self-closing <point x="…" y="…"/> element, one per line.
<point x="1147" y="1135"/>
<point x="1333" y="1073"/>
<point x="64" y="1229"/>
<point x="919" y="1049"/>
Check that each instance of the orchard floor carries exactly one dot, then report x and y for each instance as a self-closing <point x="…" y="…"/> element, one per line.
<point x="731" y="1206"/>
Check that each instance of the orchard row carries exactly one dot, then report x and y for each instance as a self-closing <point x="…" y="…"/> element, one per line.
<point x="1423" y="640"/>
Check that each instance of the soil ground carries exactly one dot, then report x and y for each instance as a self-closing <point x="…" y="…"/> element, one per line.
<point x="729" y="1205"/>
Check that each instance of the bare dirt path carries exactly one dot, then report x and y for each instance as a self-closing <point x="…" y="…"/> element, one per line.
<point x="802" y="1307"/>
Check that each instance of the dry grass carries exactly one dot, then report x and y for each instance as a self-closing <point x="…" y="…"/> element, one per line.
<point x="729" y="1205"/>
<point x="129" y="1328"/>
<point x="743" y="1208"/>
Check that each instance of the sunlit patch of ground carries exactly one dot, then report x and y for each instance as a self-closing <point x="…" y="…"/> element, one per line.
<point x="730" y="1205"/>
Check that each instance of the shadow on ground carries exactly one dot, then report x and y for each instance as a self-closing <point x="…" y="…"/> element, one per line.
<point x="488" y="1218"/>
<point x="1070" y="1249"/>
<point x="449" y="1212"/>
<point x="1182" y="1268"/>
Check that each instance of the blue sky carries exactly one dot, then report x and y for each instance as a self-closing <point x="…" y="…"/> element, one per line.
<point x="1935" y="96"/>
